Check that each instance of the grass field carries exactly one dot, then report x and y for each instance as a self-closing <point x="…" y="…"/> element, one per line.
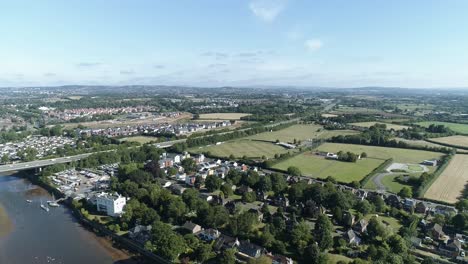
<point x="398" y="154"/>
<point x="242" y="147"/>
<point x="139" y="139"/>
<point x="450" y="184"/>
<point x="223" y="116"/>
<point x="389" y="126"/>
<point x="453" y="140"/>
<point x="300" y="132"/>
<point x="315" y="166"/>
<point x="460" y="128"/>
<point x="335" y="258"/>
<point x="419" y="143"/>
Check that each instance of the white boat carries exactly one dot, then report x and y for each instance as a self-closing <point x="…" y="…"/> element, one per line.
<point x="44" y="207"/>
<point x="29" y="201"/>
<point x="53" y="203"/>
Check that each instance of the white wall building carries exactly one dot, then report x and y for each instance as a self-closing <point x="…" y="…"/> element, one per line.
<point x="112" y="204"/>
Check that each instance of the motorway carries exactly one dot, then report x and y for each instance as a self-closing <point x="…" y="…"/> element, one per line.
<point x="42" y="163"/>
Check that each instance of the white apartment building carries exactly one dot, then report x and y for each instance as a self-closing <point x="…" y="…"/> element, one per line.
<point x="112" y="204"/>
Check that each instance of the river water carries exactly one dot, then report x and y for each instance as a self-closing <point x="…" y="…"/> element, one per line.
<point x="29" y="234"/>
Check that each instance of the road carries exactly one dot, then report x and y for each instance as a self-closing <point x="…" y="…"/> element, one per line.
<point x="377" y="179"/>
<point x="40" y="163"/>
<point x="47" y="162"/>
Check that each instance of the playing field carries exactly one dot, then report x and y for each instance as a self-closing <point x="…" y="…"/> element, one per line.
<point x="139" y="139"/>
<point x="453" y="140"/>
<point x="242" y="147"/>
<point x="223" y="116"/>
<point x="460" y="128"/>
<point x="451" y="183"/>
<point x="300" y="132"/>
<point x="389" y="126"/>
<point x="316" y="166"/>
<point x="398" y="154"/>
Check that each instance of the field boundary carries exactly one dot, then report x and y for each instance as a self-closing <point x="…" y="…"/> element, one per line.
<point x="446" y="144"/>
<point x="379" y="169"/>
<point x="422" y="190"/>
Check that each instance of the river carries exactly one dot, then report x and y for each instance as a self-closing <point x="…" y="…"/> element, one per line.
<point x="29" y="234"/>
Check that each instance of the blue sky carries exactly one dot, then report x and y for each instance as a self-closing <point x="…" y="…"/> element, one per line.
<point x="331" y="43"/>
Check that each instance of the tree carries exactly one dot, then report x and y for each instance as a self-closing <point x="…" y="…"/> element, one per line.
<point x="323" y="232"/>
<point x="227" y="189"/>
<point x="461" y="205"/>
<point x="5" y="158"/>
<point x="375" y="228"/>
<point x="154" y="168"/>
<point x="166" y="242"/>
<point x="278" y="182"/>
<point x="313" y="256"/>
<point x="405" y="192"/>
<point x="397" y="244"/>
<point x="261" y="260"/>
<point x="363" y="155"/>
<point x="301" y="236"/>
<point x="189" y="165"/>
<point x="213" y="183"/>
<point x="203" y="252"/>
<point x="249" y="197"/>
<point x="228" y="256"/>
<point x="294" y="171"/>
<point x="459" y="221"/>
<point x="364" y="207"/>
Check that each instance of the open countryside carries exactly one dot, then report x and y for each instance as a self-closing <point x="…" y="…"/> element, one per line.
<point x="223" y="116"/>
<point x="459" y="128"/>
<point x="300" y="132"/>
<point x="242" y="147"/>
<point x="389" y="126"/>
<point x="456" y="141"/>
<point x="316" y="166"/>
<point x="450" y="184"/>
<point x="384" y="153"/>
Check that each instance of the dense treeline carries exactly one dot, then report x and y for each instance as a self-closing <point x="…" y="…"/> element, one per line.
<point x="377" y="135"/>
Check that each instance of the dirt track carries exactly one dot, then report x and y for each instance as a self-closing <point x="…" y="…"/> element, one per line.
<point x="450" y="184"/>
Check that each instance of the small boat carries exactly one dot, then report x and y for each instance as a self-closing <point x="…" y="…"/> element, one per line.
<point x="53" y="203"/>
<point x="44" y="207"/>
<point x="29" y="201"/>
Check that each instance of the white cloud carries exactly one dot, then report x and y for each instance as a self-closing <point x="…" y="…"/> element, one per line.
<point x="313" y="44"/>
<point x="267" y="10"/>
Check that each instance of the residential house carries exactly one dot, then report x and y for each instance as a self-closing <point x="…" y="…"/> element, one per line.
<point x="249" y="250"/>
<point x="452" y="249"/>
<point x="280" y="259"/>
<point x="190" y="180"/>
<point x="421" y="208"/>
<point x="209" y="234"/>
<point x="409" y="204"/>
<point x="437" y="232"/>
<point x="393" y="201"/>
<point x="352" y="238"/>
<point x="164" y="183"/>
<point x="206" y="196"/>
<point x="225" y="242"/>
<point x="257" y="212"/>
<point x="416" y="242"/>
<point x="243" y="189"/>
<point x="177" y="189"/>
<point x="191" y="227"/>
<point x="361" y="226"/>
<point x="140" y="233"/>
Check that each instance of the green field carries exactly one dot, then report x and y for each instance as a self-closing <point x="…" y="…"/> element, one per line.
<point x="315" y="166"/>
<point x="300" y="132"/>
<point x="398" y="154"/>
<point x="139" y="139"/>
<point x="242" y="147"/>
<point x="389" y="126"/>
<point x="459" y="128"/>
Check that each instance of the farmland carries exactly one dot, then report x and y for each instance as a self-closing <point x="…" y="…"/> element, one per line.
<point x="242" y="147"/>
<point x="223" y="116"/>
<point x="450" y="184"/>
<point x="139" y="139"/>
<point x="398" y="154"/>
<point x="389" y="126"/>
<point x="459" y="128"/>
<point x="300" y="132"/>
<point x="461" y="141"/>
<point x="316" y="166"/>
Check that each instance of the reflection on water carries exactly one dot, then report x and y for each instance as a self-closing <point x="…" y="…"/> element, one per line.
<point x="37" y="236"/>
